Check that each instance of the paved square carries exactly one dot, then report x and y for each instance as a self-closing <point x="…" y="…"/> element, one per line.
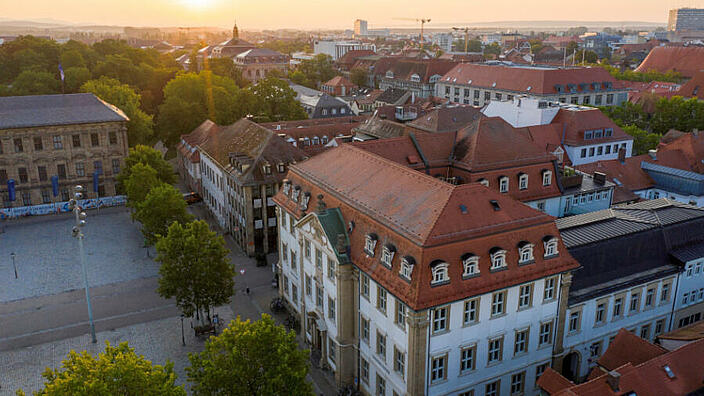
<point x="47" y="255"/>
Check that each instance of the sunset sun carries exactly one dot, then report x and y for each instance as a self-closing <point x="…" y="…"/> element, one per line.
<point x="196" y="3"/>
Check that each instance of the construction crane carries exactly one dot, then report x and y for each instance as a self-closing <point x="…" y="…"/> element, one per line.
<point x="422" y="21"/>
<point x="466" y="35"/>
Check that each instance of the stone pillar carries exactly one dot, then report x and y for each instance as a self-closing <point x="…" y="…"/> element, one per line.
<point x="558" y="352"/>
<point x="347" y="308"/>
<point x="417" y="351"/>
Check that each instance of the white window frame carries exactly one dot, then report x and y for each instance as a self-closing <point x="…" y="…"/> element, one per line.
<point x="498" y="259"/>
<point x="525" y="253"/>
<point x="523" y="182"/>
<point x="406" y="269"/>
<point x="551" y="247"/>
<point x="547" y="178"/>
<point x="440" y="273"/>
<point x="503" y="184"/>
<point x="470" y="266"/>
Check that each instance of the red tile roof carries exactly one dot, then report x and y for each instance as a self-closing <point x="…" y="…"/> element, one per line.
<point x="684" y="153"/>
<point x="693" y="88"/>
<point x="199" y="135"/>
<point x="576" y="122"/>
<point x="279" y="125"/>
<point x="686" y="365"/>
<point x="552" y="382"/>
<point x="685" y="60"/>
<point x="349" y="58"/>
<point x="628" y="174"/>
<point x="427" y="219"/>
<point x="403" y="69"/>
<point x="446" y="119"/>
<point x="541" y="81"/>
<point x="628" y="348"/>
<point x="339" y="81"/>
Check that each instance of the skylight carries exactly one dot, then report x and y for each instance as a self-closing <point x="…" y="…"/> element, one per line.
<point x="668" y="371"/>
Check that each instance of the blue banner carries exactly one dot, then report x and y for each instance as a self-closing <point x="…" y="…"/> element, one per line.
<point x="55" y="185"/>
<point x="11" y="189"/>
<point x="96" y="182"/>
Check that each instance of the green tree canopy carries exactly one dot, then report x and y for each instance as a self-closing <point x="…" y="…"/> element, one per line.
<point x="642" y="140"/>
<point x="251" y="358"/>
<point x="142" y="179"/>
<point x="359" y="77"/>
<point x="163" y="206"/>
<point x="318" y="70"/>
<point x="117" y="371"/>
<point x="195" y="268"/>
<point x="492" y="49"/>
<point x="147" y="156"/>
<point x="275" y="101"/>
<point x="35" y="82"/>
<point x="225" y="67"/>
<point x="140" y="128"/>
<point x="74" y="78"/>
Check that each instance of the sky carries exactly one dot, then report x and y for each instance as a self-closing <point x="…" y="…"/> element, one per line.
<point x="310" y="14"/>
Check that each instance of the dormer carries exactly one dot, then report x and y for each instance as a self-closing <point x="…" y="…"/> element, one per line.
<point x="572" y="87"/>
<point x="304" y="201"/>
<point x="406" y="270"/>
<point x="550" y="245"/>
<point x="370" y="241"/>
<point x="498" y="258"/>
<point x="525" y="252"/>
<point x="440" y="271"/>
<point x="387" y="254"/>
<point x="559" y="88"/>
<point x="296" y="193"/>
<point x="470" y="265"/>
<point x="266" y="168"/>
<point x="415" y="77"/>
<point x="287" y="187"/>
<point x="281" y="167"/>
<point x="389" y="74"/>
<point x="434" y="78"/>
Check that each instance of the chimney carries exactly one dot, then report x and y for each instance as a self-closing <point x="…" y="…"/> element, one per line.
<point x="599" y="178"/>
<point x="653" y="153"/>
<point x="612" y="378"/>
<point x="321" y="204"/>
<point x="622" y="155"/>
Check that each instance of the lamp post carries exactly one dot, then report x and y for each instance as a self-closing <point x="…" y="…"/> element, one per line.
<point x="183" y="336"/>
<point x="12" y="256"/>
<point x="78" y="234"/>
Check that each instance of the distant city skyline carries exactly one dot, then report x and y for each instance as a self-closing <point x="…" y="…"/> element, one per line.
<point x="311" y="14"/>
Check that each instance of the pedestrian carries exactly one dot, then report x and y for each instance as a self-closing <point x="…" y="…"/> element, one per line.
<point x="247" y="291"/>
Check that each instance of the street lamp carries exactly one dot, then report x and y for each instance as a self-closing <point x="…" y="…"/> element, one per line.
<point x="183" y="336"/>
<point x="12" y="256"/>
<point x="78" y="234"/>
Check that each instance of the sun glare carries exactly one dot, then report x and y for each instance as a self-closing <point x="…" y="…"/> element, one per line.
<point x="196" y="3"/>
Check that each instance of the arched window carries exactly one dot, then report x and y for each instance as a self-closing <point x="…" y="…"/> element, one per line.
<point x="525" y="252"/>
<point x="324" y="139"/>
<point x="498" y="258"/>
<point x="470" y="265"/>
<point x="407" y="264"/>
<point x="522" y="181"/>
<point x="503" y="184"/>
<point x="440" y="272"/>
<point x="370" y="243"/>
<point x="550" y="244"/>
<point x="387" y="254"/>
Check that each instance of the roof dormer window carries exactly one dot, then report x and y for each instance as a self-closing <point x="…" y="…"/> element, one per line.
<point x="281" y="167"/>
<point x="389" y="74"/>
<point x="525" y="253"/>
<point x="498" y="258"/>
<point x="550" y="244"/>
<point x="484" y="182"/>
<point x="608" y="132"/>
<point x="503" y="184"/>
<point x="316" y="140"/>
<point x="304" y="201"/>
<point x="370" y="244"/>
<point x="407" y="264"/>
<point x="547" y="177"/>
<point x="440" y="272"/>
<point x="387" y="254"/>
<point x="470" y="265"/>
<point x="522" y="181"/>
<point x="296" y="193"/>
<point x="415" y="78"/>
<point x="324" y="139"/>
<point x="287" y="187"/>
<point x="267" y="169"/>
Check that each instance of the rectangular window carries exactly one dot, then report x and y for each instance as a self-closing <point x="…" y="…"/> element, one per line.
<point x="492" y="388"/>
<point x="659" y="326"/>
<point x="649" y="295"/>
<point x="98" y="167"/>
<point x="600" y="315"/>
<point x="591" y="151"/>
<point x="525" y="296"/>
<point x="467" y="358"/>
<point x="80" y="169"/>
<point x="497" y="303"/>
<point x="94" y="140"/>
<point x="575" y="321"/>
<point x="76" y="140"/>
<point x="583" y="153"/>
<point x="438" y="371"/>
<point x="635" y="302"/>
<point x="545" y="336"/>
<point x="380" y="382"/>
<point x="42" y="173"/>
<point x="496" y="347"/>
<point x="318" y="297"/>
<point x="309" y="287"/>
<point x="365" y="329"/>
<point x="331" y="308"/>
<point x="364" y="286"/>
<point x="381" y="345"/>
<point x="440" y="319"/>
<point x="331" y="349"/>
<point x="294" y="261"/>
<point x="399" y="362"/>
<point x="364" y="368"/>
<point x="38" y="144"/>
<point x="58" y="143"/>
<point x="520" y="345"/>
<point x="665" y="293"/>
<point x="112" y="136"/>
<point x="116" y="166"/>
<point x="549" y="292"/>
<point x="18" y="145"/>
<point x="306" y="251"/>
<point x="539" y="370"/>
<point x="26" y="198"/>
<point x="645" y="332"/>
<point x="331" y="268"/>
<point x="381" y="299"/>
<point x="471" y="312"/>
<point x="294" y="293"/>
<point x="318" y="259"/>
<point x="518" y="383"/>
<point x="618" y="307"/>
<point x="595" y="350"/>
<point x="24" y="177"/>
<point x="400" y="317"/>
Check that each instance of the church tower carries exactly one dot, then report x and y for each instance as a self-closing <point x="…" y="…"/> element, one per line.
<point x="235" y="32"/>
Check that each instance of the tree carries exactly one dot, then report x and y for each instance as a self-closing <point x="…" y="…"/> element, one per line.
<point x="251" y="358"/>
<point x="584" y="57"/>
<point x="226" y="67"/>
<point x="162" y="206"/>
<point x="275" y="101"/>
<point x="190" y="99"/>
<point x="74" y="78"/>
<point x="572" y="47"/>
<point x="34" y="82"/>
<point x="142" y="179"/>
<point x="117" y="371"/>
<point x="147" y="156"/>
<point x="140" y="127"/>
<point x="195" y="269"/>
<point x="492" y="49"/>
<point x="318" y="70"/>
<point x="359" y="77"/>
<point x="474" y="46"/>
<point x="642" y="140"/>
<point x="297" y="77"/>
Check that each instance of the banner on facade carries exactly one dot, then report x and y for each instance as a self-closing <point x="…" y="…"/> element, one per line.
<point x="60" y="207"/>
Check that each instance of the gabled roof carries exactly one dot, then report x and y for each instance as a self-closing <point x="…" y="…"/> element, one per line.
<point x="686" y="153"/>
<point x="350" y="57"/>
<point x="694" y="88"/>
<point x="403" y="69"/>
<point x="483" y="145"/>
<point x="628" y="348"/>
<point x="535" y="80"/>
<point x="338" y="81"/>
<point x="392" y="95"/>
<point x="257" y="144"/>
<point x="684" y="60"/>
<point x="199" y="135"/>
<point x="49" y="110"/>
<point x="577" y="121"/>
<point x="446" y="119"/>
